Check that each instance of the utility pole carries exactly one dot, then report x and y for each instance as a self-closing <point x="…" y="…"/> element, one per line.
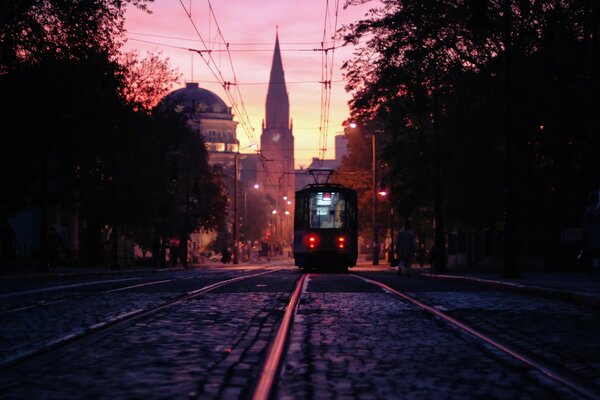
<point x="439" y="242"/>
<point x="235" y="208"/>
<point x="375" y="228"/>
<point x="509" y="267"/>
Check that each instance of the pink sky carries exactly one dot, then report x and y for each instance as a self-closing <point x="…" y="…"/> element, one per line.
<point x="250" y="25"/>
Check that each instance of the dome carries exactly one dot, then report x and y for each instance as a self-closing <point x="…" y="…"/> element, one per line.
<point x="194" y="99"/>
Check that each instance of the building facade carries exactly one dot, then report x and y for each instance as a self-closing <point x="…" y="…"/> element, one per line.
<point x="276" y="174"/>
<point x="209" y="116"/>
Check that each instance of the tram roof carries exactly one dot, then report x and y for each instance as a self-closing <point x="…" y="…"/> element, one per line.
<point x="324" y="186"/>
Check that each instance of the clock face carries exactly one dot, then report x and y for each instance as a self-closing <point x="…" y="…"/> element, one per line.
<point x="275" y="137"/>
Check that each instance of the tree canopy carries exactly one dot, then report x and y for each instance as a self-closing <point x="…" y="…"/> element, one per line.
<point x="79" y="134"/>
<point x="422" y="66"/>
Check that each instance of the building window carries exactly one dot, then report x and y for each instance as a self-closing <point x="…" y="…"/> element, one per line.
<point x="219" y="147"/>
<point x="212" y="136"/>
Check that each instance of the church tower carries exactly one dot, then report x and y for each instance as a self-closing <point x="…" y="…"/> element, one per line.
<point x="277" y="148"/>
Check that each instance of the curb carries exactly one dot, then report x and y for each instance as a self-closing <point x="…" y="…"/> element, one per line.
<point x="585" y="299"/>
<point x="81" y="272"/>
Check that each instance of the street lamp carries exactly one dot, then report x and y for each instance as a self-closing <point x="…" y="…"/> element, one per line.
<point x="383" y="192"/>
<point x="190" y="199"/>
<point x="235" y="202"/>
<point x="374" y="190"/>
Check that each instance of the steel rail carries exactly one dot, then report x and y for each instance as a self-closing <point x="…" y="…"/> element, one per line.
<point x="264" y="388"/>
<point x="43" y="303"/>
<point x="68" y="286"/>
<point x="540" y="366"/>
<point x="121" y="319"/>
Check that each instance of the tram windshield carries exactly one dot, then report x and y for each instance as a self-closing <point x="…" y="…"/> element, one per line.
<point x="327" y="210"/>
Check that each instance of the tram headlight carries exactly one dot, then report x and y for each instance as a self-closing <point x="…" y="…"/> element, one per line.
<point x="312" y="240"/>
<point x="341" y="242"/>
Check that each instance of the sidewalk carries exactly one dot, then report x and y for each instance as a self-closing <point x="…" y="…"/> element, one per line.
<point x="80" y="270"/>
<point x="573" y="286"/>
<point x="31" y="272"/>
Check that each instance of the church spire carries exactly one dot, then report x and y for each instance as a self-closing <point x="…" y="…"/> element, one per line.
<point x="278" y="106"/>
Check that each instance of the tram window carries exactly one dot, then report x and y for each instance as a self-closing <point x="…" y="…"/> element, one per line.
<point x="327" y="210"/>
<point x="300" y="212"/>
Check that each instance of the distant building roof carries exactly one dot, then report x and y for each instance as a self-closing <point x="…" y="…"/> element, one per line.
<point x="193" y="99"/>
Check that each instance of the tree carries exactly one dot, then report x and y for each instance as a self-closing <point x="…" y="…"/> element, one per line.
<point x="433" y="73"/>
<point x="355" y="173"/>
<point x="147" y="80"/>
<point x="78" y="135"/>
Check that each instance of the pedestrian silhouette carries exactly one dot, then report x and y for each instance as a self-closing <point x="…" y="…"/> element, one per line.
<point x="54" y="247"/>
<point x="8" y="245"/>
<point x="421" y="252"/>
<point x="155" y="245"/>
<point x="405" y="248"/>
<point x="174" y="253"/>
<point x="591" y="232"/>
<point x="225" y="255"/>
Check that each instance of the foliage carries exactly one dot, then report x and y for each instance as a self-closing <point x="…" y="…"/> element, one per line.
<point x="258" y="211"/>
<point x="78" y="136"/>
<point x="355" y="174"/>
<point x="491" y="102"/>
<point x="34" y="30"/>
<point x="145" y="79"/>
<point x="432" y="73"/>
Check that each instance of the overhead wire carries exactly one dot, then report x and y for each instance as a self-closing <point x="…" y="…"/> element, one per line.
<point x="218" y="75"/>
<point x="327" y="75"/>
<point x="237" y="44"/>
<point x="242" y="114"/>
<point x="244" y="118"/>
<point x="240" y="109"/>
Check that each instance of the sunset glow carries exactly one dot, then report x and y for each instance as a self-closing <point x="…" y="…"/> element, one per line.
<point x="249" y="27"/>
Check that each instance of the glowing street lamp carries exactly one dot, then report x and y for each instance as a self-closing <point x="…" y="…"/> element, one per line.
<point x="236" y="157"/>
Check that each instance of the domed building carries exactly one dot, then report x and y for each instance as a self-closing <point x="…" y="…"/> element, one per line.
<point x="208" y="115"/>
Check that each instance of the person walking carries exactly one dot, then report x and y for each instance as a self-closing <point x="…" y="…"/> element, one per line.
<point x="405" y="248"/>
<point x="8" y="245"/>
<point x="591" y="232"/>
<point x="155" y="248"/>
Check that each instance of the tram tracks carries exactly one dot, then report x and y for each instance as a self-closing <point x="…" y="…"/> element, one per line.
<point x="561" y="377"/>
<point x="266" y="387"/>
<point x="77" y="295"/>
<point x="115" y="321"/>
<point x="267" y="362"/>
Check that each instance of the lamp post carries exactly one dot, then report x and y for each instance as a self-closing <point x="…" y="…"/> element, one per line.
<point x="509" y="266"/>
<point x="374" y="195"/>
<point x="236" y="157"/>
<point x="190" y="199"/>
<point x="392" y="257"/>
<point x="235" y="209"/>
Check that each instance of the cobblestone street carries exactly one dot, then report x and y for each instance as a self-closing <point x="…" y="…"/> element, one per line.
<point x="349" y="339"/>
<point x="348" y="345"/>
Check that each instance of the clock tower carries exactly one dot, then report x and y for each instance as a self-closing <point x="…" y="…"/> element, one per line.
<point x="277" y="148"/>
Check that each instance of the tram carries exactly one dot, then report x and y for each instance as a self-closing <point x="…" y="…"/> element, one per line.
<point x="325" y="227"/>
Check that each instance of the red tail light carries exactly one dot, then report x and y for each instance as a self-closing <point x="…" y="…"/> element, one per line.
<point x="341" y="242"/>
<point x="311" y="240"/>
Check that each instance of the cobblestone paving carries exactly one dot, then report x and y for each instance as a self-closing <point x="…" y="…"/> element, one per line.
<point x="26" y="331"/>
<point x="562" y="333"/>
<point x="205" y="348"/>
<point x="373" y="346"/>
